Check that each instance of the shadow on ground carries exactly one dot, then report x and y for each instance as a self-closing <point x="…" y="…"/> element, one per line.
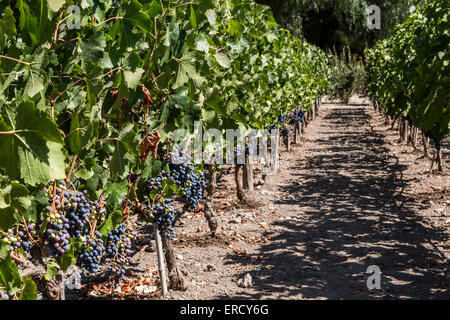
<point x="348" y="213"/>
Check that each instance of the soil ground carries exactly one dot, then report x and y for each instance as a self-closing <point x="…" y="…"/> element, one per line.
<point x="349" y="196"/>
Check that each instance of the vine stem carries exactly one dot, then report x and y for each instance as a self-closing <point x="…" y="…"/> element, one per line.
<point x="55" y="34"/>
<point x="111" y="71"/>
<point x="54" y="196"/>
<point x="17" y="258"/>
<point x="16" y="60"/>
<point x="107" y="139"/>
<point x="125" y="210"/>
<point x="26" y="228"/>
<point x="65" y="90"/>
<point x="109" y="19"/>
<point x="71" y="168"/>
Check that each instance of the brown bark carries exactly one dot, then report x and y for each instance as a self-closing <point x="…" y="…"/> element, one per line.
<point x="286" y="143"/>
<point x="439" y="160"/>
<point x="208" y="209"/>
<point x="393" y="123"/>
<point x="239" y="192"/>
<point x="177" y="280"/>
<point x="297" y="132"/>
<point x="405" y="130"/>
<point x="248" y="174"/>
<point x="52" y="288"/>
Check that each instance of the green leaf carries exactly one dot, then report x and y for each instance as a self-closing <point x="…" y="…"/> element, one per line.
<point x="211" y="15"/>
<point x="116" y="193"/>
<point x="28" y="23"/>
<point x="92" y="47"/>
<point x="187" y="71"/>
<point x="38" y="77"/>
<point x="29" y="291"/>
<point x="93" y="81"/>
<point x="32" y="150"/>
<point x="52" y="269"/>
<point x="202" y="44"/>
<point x="81" y="133"/>
<point x="8" y="217"/>
<point x="223" y="60"/>
<point x="68" y="259"/>
<point x="133" y="78"/>
<point x="9" y="274"/>
<point x="84" y="174"/>
<point x="5" y="195"/>
<point x="193" y="18"/>
<point x="138" y="17"/>
<point x="20" y="196"/>
<point x="111" y="222"/>
<point x="40" y="200"/>
<point x="235" y="28"/>
<point x="154" y="9"/>
<point x="215" y="102"/>
<point x="7" y="26"/>
<point x="121" y="161"/>
<point x="55" y="5"/>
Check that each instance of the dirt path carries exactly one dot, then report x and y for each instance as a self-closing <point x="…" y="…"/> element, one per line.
<point x="347" y="198"/>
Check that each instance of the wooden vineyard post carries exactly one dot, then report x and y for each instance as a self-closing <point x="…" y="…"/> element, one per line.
<point x="275" y="150"/>
<point x="439" y="156"/>
<point x="287" y="143"/>
<point x="247" y="175"/>
<point x="439" y="160"/>
<point x="239" y="192"/>
<point x="405" y="130"/>
<point x="161" y="268"/>
<point x="297" y="132"/>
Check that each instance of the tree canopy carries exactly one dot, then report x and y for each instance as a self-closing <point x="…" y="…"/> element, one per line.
<point x="338" y="23"/>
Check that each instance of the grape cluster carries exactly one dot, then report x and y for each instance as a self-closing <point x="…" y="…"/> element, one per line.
<point x="286" y="132"/>
<point x="58" y="237"/>
<point x="281" y="121"/>
<point x="163" y="215"/>
<point x="93" y="251"/>
<point x="297" y="116"/>
<point x="119" y="249"/>
<point x="281" y="118"/>
<point x="20" y="239"/>
<point x="70" y="217"/>
<point x="156" y="183"/>
<point x="184" y="175"/>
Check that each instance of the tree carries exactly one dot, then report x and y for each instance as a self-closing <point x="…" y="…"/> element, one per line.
<point x="338" y="23"/>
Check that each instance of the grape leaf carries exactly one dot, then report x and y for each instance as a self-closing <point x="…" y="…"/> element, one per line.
<point x="52" y="269"/>
<point x="223" y="60"/>
<point x="9" y="274"/>
<point x="55" y="5"/>
<point x="29" y="291"/>
<point x="32" y="149"/>
<point x="38" y="77"/>
<point x="111" y="222"/>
